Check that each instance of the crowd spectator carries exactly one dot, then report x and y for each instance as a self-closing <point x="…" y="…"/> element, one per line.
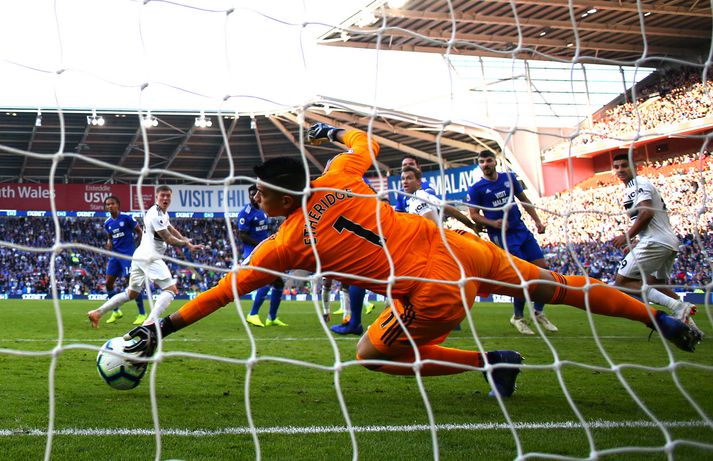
<point x="679" y="96"/>
<point x="580" y="225"/>
<point x="80" y="272"/>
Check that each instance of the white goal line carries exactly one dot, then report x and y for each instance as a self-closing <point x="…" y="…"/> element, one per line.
<point x="351" y="338"/>
<point x="292" y="430"/>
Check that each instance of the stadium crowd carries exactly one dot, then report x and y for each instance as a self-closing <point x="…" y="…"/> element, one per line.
<point x="678" y="96"/>
<point x="581" y="222"/>
<point x="81" y="271"/>
<point x="580" y="225"/>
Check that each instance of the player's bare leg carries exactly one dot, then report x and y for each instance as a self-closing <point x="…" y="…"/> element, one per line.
<point x="115" y="301"/>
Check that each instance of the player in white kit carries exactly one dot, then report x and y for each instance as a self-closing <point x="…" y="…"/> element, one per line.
<point x="653" y="256"/>
<point x="426" y="204"/>
<point x="147" y="262"/>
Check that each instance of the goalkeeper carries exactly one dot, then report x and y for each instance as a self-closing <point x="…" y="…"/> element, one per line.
<point x="352" y="234"/>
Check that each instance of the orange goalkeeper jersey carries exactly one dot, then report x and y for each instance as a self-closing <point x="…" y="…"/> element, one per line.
<point x="345" y="228"/>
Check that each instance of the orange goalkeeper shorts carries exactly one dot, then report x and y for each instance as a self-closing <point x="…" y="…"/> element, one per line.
<point x="433" y="309"/>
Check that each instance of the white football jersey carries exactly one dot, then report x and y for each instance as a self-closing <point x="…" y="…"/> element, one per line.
<point x="659" y="229"/>
<point x="151" y="242"/>
<point x="422" y="203"/>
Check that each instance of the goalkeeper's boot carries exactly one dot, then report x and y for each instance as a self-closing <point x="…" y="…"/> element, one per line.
<point x="254" y="320"/>
<point x="347" y="329"/>
<point x="368" y="307"/>
<point x="140" y="319"/>
<point x="503" y="378"/>
<point x="116" y="315"/>
<point x="521" y="326"/>
<point x="545" y="322"/>
<point x="274" y="323"/>
<point x="680" y="334"/>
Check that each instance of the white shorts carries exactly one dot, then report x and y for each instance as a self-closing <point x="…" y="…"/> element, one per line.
<point x="156" y="271"/>
<point x="650" y="258"/>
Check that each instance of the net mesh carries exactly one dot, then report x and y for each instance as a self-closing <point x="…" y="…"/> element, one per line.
<point x="575" y="243"/>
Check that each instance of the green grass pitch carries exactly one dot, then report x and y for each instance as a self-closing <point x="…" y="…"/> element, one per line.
<point x="203" y="415"/>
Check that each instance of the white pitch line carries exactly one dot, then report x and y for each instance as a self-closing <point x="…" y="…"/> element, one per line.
<point x="321" y="338"/>
<point x="292" y="430"/>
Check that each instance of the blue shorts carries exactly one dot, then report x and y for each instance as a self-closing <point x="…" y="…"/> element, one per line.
<point x="118" y="267"/>
<point x="521" y="244"/>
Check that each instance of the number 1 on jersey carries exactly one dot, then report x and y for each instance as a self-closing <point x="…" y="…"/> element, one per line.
<point x="343" y="223"/>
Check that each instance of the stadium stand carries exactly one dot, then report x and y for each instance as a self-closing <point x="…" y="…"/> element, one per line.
<point x="673" y="97"/>
<point x="81" y="272"/>
<point x="589" y="232"/>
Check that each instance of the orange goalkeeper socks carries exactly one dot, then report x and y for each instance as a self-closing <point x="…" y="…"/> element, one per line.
<point x="440" y="353"/>
<point x="603" y="299"/>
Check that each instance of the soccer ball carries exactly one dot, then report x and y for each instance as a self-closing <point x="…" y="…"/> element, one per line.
<point x="118" y="372"/>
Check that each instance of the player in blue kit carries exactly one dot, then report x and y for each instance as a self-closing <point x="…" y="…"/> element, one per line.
<point x="121" y="229"/>
<point x="253" y="228"/>
<point x="491" y="194"/>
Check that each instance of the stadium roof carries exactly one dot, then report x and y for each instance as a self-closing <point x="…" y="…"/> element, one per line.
<point x="611" y="35"/>
<point x="555" y="94"/>
<point x="195" y="154"/>
<point x="607" y="31"/>
<point x="508" y="52"/>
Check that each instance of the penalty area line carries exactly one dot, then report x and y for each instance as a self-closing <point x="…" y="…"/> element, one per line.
<point x="293" y="430"/>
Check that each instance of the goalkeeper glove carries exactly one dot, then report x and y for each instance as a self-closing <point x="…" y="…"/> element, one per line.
<point x="321" y="132"/>
<point x="146" y="337"/>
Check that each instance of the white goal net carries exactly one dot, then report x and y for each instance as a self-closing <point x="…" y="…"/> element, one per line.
<point x="553" y="90"/>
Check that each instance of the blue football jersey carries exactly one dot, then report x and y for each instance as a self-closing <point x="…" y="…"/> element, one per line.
<point x="121" y="231"/>
<point x="496" y="194"/>
<point x="254" y="222"/>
